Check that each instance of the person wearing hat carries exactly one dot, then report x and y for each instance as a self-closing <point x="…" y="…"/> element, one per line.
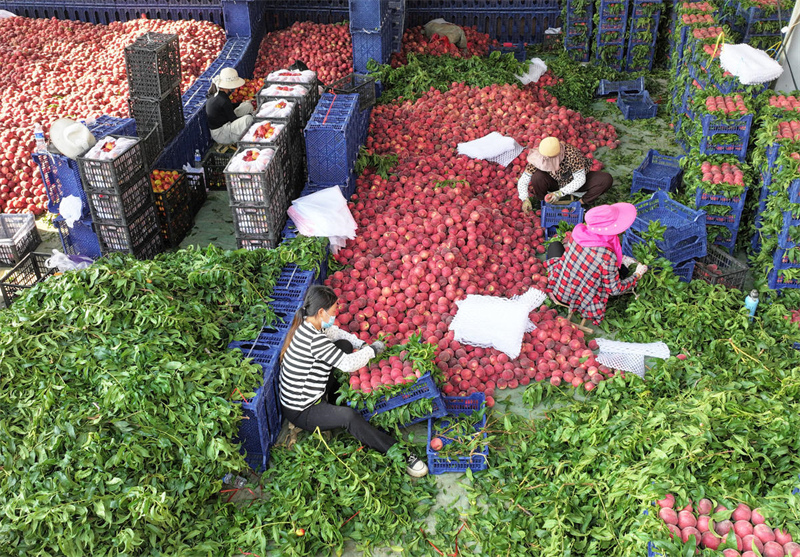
<point x="593" y="267"/>
<point x="227" y="120"/>
<point x="556" y="170"/>
<point x="71" y="138"/>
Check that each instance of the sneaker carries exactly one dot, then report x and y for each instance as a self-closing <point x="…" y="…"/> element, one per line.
<point x="415" y="467"/>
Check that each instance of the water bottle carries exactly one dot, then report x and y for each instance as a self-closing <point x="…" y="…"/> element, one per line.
<point x="38" y="135"/>
<point x="751" y="302"/>
<point x="197" y="159"/>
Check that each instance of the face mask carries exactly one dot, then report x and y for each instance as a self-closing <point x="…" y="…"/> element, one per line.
<point x="329" y="323"/>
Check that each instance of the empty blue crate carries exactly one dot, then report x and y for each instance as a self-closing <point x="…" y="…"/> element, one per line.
<point x="371" y="45"/>
<point x="657" y="172"/>
<point x="607" y="87"/>
<point x="735" y="132"/>
<point x="553" y="214"/>
<point x="254" y="431"/>
<point x="637" y="106"/>
<point x="331" y="148"/>
<point x="368" y="14"/>
<point x="685" y="237"/>
<point x="475" y="458"/>
<point x="685" y="270"/>
<point x="80" y="239"/>
<point x="424" y="387"/>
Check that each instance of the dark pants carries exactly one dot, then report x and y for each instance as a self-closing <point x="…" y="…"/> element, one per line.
<point x="556" y="249"/>
<point x="597" y="183"/>
<point x="325" y="415"/>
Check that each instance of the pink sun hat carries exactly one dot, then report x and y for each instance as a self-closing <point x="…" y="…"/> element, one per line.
<point x="610" y="220"/>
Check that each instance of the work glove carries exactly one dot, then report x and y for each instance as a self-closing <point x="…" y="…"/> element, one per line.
<point x="628" y="260"/>
<point x="526" y="206"/>
<point x="640" y="269"/>
<point x="378" y="347"/>
<point x="553" y="197"/>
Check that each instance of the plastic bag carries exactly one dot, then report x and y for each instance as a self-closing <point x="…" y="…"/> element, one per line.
<point x="66" y="263"/>
<point x="71" y="208"/>
<point x="324" y="213"/>
<point x="494" y="322"/>
<point x="750" y="65"/>
<point x="536" y="69"/>
<point x="5" y="15"/>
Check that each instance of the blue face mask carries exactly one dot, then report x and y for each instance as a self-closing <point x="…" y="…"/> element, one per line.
<point x="329" y="323"/>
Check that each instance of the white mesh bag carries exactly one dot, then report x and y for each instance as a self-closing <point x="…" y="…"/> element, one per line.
<point x="629" y="356"/>
<point x="493" y="147"/>
<point x="749" y="64"/>
<point x="494" y="322"/>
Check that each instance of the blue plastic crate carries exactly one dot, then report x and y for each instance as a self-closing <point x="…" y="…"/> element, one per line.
<point x="782" y="261"/>
<point x="637" y="106"/>
<point x="796" y="346"/>
<point x="292" y="277"/>
<point x="438" y="410"/>
<point x="331" y="150"/>
<point x="424" y="387"/>
<point x="553" y="214"/>
<point x="657" y="172"/>
<point x="632" y="66"/>
<point x="348" y="187"/>
<point x="607" y="87"/>
<point x="266" y="355"/>
<point x="517" y="50"/>
<point x="254" y="431"/>
<point x="775" y="282"/>
<point x="371" y="45"/>
<point x="81" y="239"/>
<point x="397" y="16"/>
<point x="789" y="221"/>
<point x="456" y="406"/>
<point x="608" y="24"/>
<point x="735" y="203"/>
<point x="684" y="271"/>
<point x="737" y="130"/>
<point x="685" y="237"/>
<point x="287" y="306"/>
<point x="793" y="191"/>
<point x="368" y="14"/>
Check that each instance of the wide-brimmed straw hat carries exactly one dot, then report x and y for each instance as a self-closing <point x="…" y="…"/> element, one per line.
<point x="610" y="220"/>
<point x="550" y="146"/>
<point x="71" y="138"/>
<point x="228" y="78"/>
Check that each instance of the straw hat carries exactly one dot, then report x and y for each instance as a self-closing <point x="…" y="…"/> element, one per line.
<point x="228" y="78"/>
<point x="610" y="220"/>
<point x="550" y="147"/>
<point x="71" y="138"/>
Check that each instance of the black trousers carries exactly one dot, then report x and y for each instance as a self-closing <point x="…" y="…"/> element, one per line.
<point x="597" y="183"/>
<point x="326" y="415"/>
<point x="556" y="249"/>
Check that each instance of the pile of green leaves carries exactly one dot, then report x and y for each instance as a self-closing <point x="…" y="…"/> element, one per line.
<point x="577" y="83"/>
<point x="115" y="399"/>
<point x="582" y="480"/>
<point x="425" y="72"/>
<point x="336" y="492"/>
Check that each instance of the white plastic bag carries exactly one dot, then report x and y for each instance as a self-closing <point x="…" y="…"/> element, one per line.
<point x="494" y="322"/>
<point x="71" y="208"/>
<point x="66" y="263"/>
<point x="493" y="147"/>
<point x="324" y="213"/>
<point x="536" y="69"/>
<point x="5" y="15"/>
<point x="750" y="65"/>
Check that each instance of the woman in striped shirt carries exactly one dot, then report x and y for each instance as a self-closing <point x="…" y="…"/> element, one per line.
<point x="313" y="347"/>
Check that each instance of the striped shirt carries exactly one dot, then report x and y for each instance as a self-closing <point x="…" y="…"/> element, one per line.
<point x="306" y="367"/>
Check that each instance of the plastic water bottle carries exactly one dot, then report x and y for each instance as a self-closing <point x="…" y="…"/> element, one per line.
<point x="197" y="159"/>
<point x="751" y="302"/>
<point x="38" y="135"/>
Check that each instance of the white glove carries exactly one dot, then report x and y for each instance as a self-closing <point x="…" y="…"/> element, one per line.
<point x="627" y="260"/>
<point x="640" y="269"/>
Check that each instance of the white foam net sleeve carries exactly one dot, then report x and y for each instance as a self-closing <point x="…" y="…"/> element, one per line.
<point x="629" y="356"/>
<point x="749" y="64"/>
<point x="493" y="147"/>
<point x="494" y="322"/>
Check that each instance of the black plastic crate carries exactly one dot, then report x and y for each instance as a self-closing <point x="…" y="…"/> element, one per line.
<point x="249" y="188"/>
<point x="260" y="221"/>
<point x="152" y="143"/>
<point x="173" y="200"/>
<point x="130" y="237"/>
<point x="153" y="65"/>
<point x="280" y="142"/>
<point x="115" y="174"/>
<point x="167" y="111"/>
<point x="214" y="163"/>
<point x="362" y="85"/>
<point x="29" y="271"/>
<point x="307" y="102"/>
<point x="115" y="206"/>
<point x="717" y="267"/>
<point x="252" y="243"/>
<point x="18" y="236"/>
<point x="197" y="190"/>
<point x="175" y="228"/>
